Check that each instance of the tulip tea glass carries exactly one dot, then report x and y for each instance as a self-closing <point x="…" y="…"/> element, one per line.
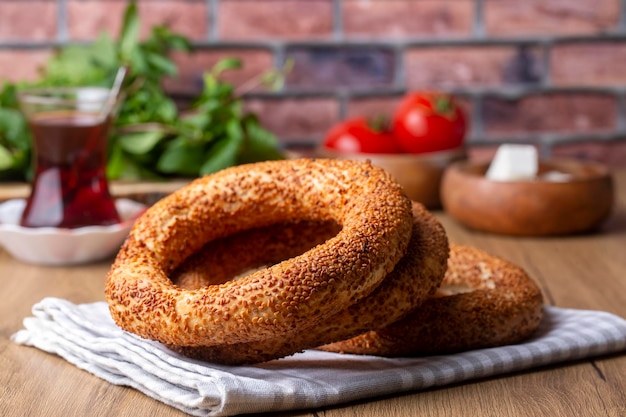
<point x="69" y="129"/>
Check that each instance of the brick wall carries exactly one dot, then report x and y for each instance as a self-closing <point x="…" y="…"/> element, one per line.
<point x="547" y="72"/>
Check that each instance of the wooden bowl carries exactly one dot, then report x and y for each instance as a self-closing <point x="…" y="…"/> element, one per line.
<point x="419" y="174"/>
<point x="541" y="207"/>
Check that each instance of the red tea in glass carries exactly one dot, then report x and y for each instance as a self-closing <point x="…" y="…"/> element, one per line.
<point x="70" y="134"/>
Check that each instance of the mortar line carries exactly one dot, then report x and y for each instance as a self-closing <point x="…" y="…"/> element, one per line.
<point x="479" y="19"/>
<point x="212" y="19"/>
<point x="546" y="78"/>
<point x="621" y="26"/>
<point x="477" y="119"/>
<point x="621" y="110"/>
<point x="400" y="74"/>
<point x="337" y="23"/>
<point x="62" y="29"/>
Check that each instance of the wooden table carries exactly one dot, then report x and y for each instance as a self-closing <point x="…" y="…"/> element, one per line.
<point x="587" y="272"/>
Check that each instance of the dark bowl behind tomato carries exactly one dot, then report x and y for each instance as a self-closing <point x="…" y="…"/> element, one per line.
<point x="419" y="174"/>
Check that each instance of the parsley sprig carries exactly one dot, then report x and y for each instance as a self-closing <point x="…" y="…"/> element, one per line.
<point x="151" y="137"/>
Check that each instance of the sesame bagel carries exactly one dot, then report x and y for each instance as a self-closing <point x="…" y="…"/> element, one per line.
<point x="371" y="208"/>
<point x="415" y="278"/>
<point x="484" y="301"/>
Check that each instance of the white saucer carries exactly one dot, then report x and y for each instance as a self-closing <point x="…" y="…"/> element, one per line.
<point x="58" y="246"/>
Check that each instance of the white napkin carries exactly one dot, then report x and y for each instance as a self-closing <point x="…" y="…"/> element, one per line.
<point x="86" y="336"/>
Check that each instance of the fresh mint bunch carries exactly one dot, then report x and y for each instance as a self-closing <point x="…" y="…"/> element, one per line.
<point x="151" y="138"/>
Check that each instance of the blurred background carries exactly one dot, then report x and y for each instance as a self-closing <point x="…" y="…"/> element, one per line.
<point x="545" y="72"/>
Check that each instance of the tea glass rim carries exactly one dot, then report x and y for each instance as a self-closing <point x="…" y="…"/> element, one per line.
<point x="41" y="95"/>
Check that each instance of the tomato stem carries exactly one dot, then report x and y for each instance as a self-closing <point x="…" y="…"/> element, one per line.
<point x="443" y="105"/>
<point x="379" y="123"/>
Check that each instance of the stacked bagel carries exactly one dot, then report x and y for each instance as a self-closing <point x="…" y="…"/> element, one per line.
<point x="260" y="261"/>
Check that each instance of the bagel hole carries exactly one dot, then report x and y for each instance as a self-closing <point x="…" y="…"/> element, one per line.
<point x="241" y="254"/>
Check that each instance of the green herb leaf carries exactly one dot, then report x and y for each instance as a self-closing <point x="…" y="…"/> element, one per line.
<point x="13" y="128"/>
<point x="166" y="111"/>
<point x="162" y="64"/>
<point x="224" y="153"/>
<point x="225" y="65"/>
<point x="181" y="157"/>
<point x="82" y="64"/>
<point x="115" y="162"/>
<point x="140" y="142"/>
<point x="6" y="158"/>
<point x="130" y="33"/>
<point x="150" y="138"/>
<point x="260" y="144"/>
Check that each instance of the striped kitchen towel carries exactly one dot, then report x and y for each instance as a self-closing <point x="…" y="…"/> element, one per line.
<point x="86" y="336"/>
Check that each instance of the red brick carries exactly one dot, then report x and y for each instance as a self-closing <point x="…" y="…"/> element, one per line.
<point x="296" y="119"/>
<point x="471" y="66"/>
<point x="28" y="20"/>
<point x="284" y="19"/>
<point x="88" y="19"/>
<point x="192" y="67"/>
<point x="360" y="68"/>
<point x="550" y="17"/>
<point x="401" y="18"/>
<point x="386" y="105"/>
<point x="589" y="64"/>
<point x="573" y="112"/>
<point x="22" y="65"/>
<point x="612" y="154"/>
<point x="371" y="107"/>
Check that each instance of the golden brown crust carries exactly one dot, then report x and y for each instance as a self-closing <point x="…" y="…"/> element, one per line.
<point x="503" y="306"/>
<point x="415" y="278"/>
<point x="371" y="207"/>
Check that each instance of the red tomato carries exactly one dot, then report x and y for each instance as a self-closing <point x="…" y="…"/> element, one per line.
<point x="359" y="136"/>
<point x="428" y="122"/>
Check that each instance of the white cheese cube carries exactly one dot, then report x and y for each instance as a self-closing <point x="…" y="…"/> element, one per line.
<point x="514" y="162"/>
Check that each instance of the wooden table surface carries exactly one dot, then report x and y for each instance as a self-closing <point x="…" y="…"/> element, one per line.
<point x="586" y="272"/>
